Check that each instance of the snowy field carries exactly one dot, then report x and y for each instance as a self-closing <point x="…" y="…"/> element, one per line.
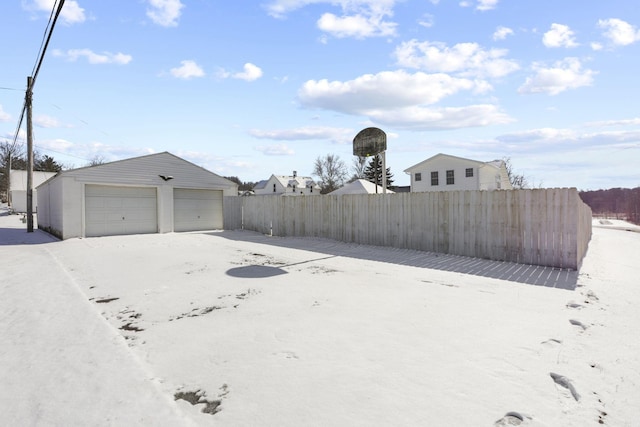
<point x="268" y="331"/>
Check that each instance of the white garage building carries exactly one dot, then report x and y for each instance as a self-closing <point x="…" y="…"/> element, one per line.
<point x="158" y="193"/>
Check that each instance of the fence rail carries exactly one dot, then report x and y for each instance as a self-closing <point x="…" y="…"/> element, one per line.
<point x="549" y="227"/>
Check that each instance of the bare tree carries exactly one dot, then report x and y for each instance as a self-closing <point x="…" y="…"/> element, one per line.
<point x="358" y="166"/>
<point x="331" y="172"/>
<point x="516" y="180"/>
<point x="97" y="160"/>
<point x="11" y="157"/>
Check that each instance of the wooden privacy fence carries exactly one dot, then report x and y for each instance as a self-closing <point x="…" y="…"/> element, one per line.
<point x="549" y="227"/>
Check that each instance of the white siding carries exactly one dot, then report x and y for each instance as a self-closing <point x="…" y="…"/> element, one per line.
<point x="442" y="164"/>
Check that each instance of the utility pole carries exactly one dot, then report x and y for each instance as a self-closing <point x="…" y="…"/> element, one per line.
<point x="28" y="102"/>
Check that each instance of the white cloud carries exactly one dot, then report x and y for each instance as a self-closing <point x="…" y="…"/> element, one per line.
<point x="251" y="72"/>
<point x="501" y="33"/>
<point x="45" y="121"/>
<point x="357" y="26"/>
<point x="559" y="36"/>
<point x="359" y="18"/>
<point x="622" y="122"/>
<point x="537" y="135"/>
<point x="339" y="135"/>
<point x="426" y="21"/>
<point x="71" y="13"/>
<point x="466" y="59"/>
<point x="619" y="32"/>
<point x="557" y="138"/>
<point x="419" y="118"/>
<point x="165" y="12"/>
<point x="596" y="46"/>
<point x="275" y="150"/>
<point x="401" y="99"/>
<point x="385" y="90"/>
<point x="486" y="4"/>
<point x="563" y="75"/>
<point x="4" y="116"/>
<point x="94" y="58"/>
<point x="187" y="70"/>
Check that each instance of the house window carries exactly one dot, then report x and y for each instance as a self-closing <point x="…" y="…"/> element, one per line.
<point x="274" y="188"/>
<point x="468" y="172"/>
<point x="310" y="189"/>
<point x="294" y="188"/>
<point x="450" y="179"/>
<point x="418" y="176"/>
<point x="434" y="178"/>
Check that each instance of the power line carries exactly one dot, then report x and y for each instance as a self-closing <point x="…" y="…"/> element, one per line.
<point x="44" y="49"/>
<point x="36" y="69"/>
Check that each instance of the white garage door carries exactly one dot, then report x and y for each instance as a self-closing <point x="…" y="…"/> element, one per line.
<point x="113" y="210"/>
<point x="197" y="209"/>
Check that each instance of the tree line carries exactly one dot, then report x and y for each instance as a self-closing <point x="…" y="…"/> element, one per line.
<point x="618" y="203"/>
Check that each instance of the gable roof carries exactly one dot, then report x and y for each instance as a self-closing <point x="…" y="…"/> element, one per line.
<point x="298" y="181"/>
<point x="359" y="186"/>
<point x="446" y="156"/>
<point x="148" y="170"/>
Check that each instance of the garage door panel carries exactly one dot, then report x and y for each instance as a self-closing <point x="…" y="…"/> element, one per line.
<point x="197" y="209"/>
<point x="112" y="210"/>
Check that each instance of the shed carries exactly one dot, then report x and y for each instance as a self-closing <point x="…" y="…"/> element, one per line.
<point x="157" y="193"/>
<point x="18" y="190"/>
<point x="360" y="186"/>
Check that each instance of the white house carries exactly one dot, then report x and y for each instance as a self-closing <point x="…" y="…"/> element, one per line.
<point x="292" y="185"/>
<point x="18" y="189"/>
<point x="443" y="172"/>
<point x="360" y="186"/>
<point x="157" y="193"/>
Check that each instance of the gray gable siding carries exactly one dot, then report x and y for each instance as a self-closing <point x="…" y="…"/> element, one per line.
<point x="146" y="170"/>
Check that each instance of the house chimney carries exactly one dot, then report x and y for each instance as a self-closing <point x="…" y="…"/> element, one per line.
<point x="295" y="174"/>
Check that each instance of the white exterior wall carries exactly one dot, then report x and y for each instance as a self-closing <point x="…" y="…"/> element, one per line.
<point x="486" y="176"/>
<point x="18" y="190"/>
<point x="442" y="165"/>
<point x="268" y="188"/>
<point x="66" y="192"/>
<point x="492" y="178"/>
<point x="51" y="199"/>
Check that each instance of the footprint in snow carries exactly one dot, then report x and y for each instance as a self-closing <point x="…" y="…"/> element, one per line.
<point x="578" y="323"/>
<point x="563" y="381"/>
<point x="511" y="419"/>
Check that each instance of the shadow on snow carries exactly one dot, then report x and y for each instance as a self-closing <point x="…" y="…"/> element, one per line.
<point x="513" y="272"/>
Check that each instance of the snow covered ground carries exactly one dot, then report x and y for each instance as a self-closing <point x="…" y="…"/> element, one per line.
<point x="268" y="331"/>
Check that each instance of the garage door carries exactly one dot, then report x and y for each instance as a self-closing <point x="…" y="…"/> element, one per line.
<point x="197" y="209"/>
<point x="113" y="210"/>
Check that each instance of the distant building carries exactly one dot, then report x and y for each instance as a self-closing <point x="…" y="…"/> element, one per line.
<point x="287" y="185"/>
<point x="443" y="172"/>
<point x="18" y="190"/>
<point x="360" y="186"/>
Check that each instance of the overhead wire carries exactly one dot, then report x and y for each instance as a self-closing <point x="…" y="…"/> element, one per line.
<point x="53" y="18"/>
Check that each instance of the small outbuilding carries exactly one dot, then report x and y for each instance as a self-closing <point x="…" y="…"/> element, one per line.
<point x="360" y="186"/>
<point x="18" y="189"/>
<point x="157" y="193"/>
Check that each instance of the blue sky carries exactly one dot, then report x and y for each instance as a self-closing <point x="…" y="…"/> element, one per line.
<point x="250" y="89"/>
